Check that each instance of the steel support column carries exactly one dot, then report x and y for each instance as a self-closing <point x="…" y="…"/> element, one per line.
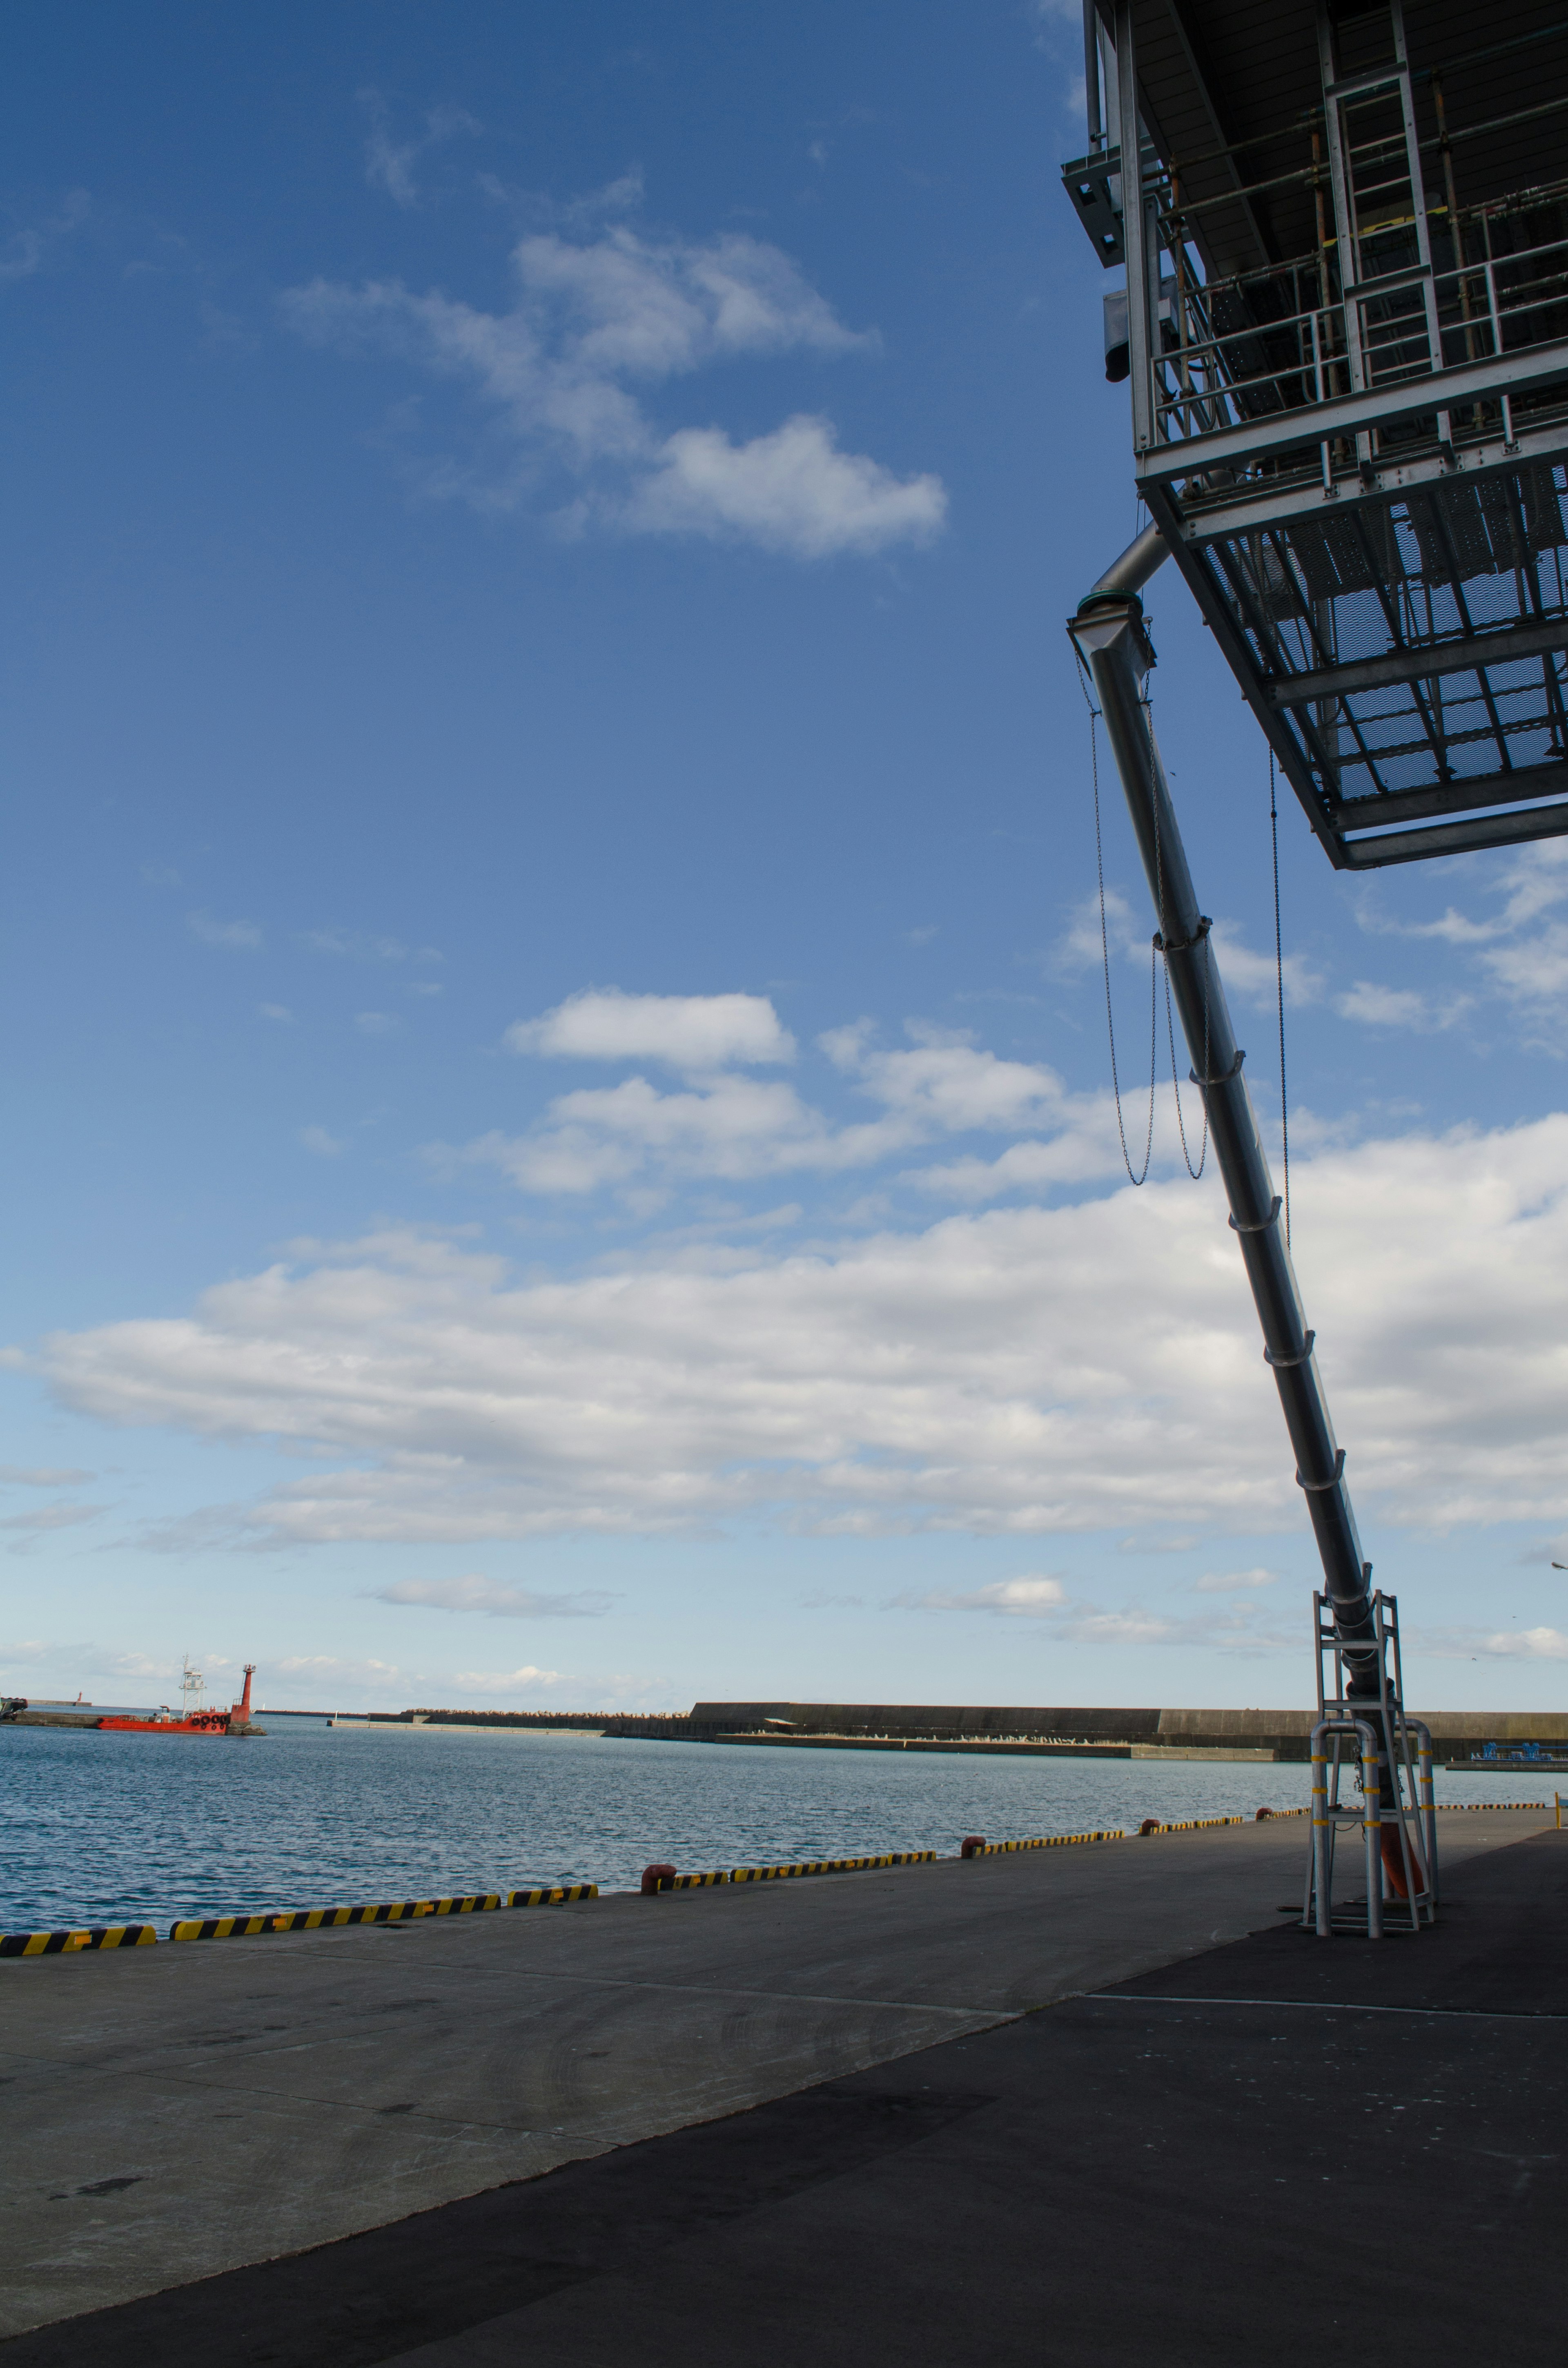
<point x="1108" y="632"/>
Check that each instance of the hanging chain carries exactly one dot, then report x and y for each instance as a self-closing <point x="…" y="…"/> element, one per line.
<point x="1280" y="985"/>
<point x="1105" y="958"/>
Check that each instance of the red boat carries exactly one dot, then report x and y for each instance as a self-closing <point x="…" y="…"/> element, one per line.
<point x="235" y="1722"/>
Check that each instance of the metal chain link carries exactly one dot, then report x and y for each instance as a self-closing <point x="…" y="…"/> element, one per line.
<point x="1105" y="958"/>
<point x="1280" y="984"/>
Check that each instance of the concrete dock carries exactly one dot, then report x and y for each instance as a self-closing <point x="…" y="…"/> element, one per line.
<point x="836" y="2095"/>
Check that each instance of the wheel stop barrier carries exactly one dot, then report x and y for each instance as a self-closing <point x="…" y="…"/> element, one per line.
<point x="662" y="1877"/>
<point x="1042" y="1841"/>
<point x="387" y="1911"/>
<point x="66" y="1943"/>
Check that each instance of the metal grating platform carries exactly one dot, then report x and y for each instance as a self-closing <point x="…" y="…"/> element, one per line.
<point x="1347" y="338"/>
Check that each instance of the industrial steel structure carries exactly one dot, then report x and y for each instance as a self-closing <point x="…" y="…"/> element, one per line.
<point x="1344" y="325"/>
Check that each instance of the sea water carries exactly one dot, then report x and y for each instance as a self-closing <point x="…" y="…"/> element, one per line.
<point x="108" y="1828"/>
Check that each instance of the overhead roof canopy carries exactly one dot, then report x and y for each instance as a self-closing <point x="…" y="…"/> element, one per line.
<point x="1233" y="75"/>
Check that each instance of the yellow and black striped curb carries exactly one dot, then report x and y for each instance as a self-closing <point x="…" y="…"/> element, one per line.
<point x="706" y="1882"/>
<point x="1195" y="1826"/>
<point x="1051" y="1841"/>
<point x="1478" y="1808"/>
<point x="391" y="1911"/>
<point x="826" y="1866"/>
<point x="93" y="1936"/>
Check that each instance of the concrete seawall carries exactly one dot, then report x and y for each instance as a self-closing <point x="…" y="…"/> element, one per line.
<point x="1129" y="1732"/>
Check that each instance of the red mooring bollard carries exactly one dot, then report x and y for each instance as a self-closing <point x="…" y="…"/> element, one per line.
<point x="972" y="1846"/>
<point x="1150" y="1825"/>
<point x="1261" y="1814"/>
<point x="658" y="1877"/>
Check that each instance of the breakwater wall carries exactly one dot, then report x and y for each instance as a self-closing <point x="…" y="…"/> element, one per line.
<point x="1138" y="1733"/>
<point x="1110" y="1731"/>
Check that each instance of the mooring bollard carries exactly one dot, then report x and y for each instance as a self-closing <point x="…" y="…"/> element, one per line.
<point x="658" y="1877"/>
<point x="1261" y="1814"/>
<point x="972" y="1846"/>
<point x="1150" y="1825"/>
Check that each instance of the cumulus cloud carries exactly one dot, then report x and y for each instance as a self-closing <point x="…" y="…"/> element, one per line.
<point x="1400" y="1007"/>
<point x="1529" y="1645"/>
<point x="1516" y="950"/>
<point x="1029" y="1372"/>
<point x="1248" y="975"/>
<point x="791" y="491"/>
<point x="721" y="1125"/>
<point x="1235" y="1582"/>
<point x="236" y="936"/>
<point x="474" y="1592"/>
<point x="1255" y="977"/>
<point x="597" y="319"/>
<point x="686" y="1031"/>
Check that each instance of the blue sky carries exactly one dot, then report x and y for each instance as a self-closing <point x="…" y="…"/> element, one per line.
<point x="557" y="1075"/>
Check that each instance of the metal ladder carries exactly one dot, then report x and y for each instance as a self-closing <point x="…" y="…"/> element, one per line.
<point x="1391" y="1756"/>
<point x="1390" y="302"/>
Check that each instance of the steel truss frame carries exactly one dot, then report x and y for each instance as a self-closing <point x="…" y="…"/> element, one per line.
<point x="1368" y="497"/>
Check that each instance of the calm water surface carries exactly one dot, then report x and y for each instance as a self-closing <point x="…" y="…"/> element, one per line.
<point x="104" y="1829"/>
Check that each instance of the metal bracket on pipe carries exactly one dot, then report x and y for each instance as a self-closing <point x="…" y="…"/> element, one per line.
<point x="1237" y="1226"/>
<point x="1233" y="1071"/>
<point x="1318" y="1485"/>
<point x="1165" y="945"/>
<point x="1279" y="1359"/>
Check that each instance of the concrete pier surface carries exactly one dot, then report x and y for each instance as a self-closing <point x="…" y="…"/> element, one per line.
<point x="898" y="2152"/>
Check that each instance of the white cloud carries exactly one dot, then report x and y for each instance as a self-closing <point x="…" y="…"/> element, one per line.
<point x="596" y="318"/>
<point x="791" y="491"/>
<point x="1517" y="951"/>
<point x="1235" y="1582"/>
<point x="686" y="1031"/>
<point x="1249" y="975"/>
<point x="234" y="935"/>
<point x="474" y="1592"/>
<point x="1529" y="1645"/>
<point x="40" y="1475"/>
<point x="389" y="163"/>
<point x="277" y="1011"/>
<point x="1027" y="1599"/>
<point x="1400" y="1007"/>
<point x="1030" y="1372"/>
<point x="720" y="1126"/>
<point x="324" y="1145"/>
<point x="377" y="1023"/>
<point x="1255" y="977"/>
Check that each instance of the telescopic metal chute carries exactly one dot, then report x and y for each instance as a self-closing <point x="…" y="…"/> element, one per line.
<point x="1108" y="632"/>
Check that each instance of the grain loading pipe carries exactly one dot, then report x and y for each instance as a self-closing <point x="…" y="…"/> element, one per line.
<point x="1109" y="634"/>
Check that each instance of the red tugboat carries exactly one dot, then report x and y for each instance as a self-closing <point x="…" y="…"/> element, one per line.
<point x="235" y="1722"/>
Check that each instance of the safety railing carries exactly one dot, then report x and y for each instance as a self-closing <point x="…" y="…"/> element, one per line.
<point x="1286" y="339"/>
